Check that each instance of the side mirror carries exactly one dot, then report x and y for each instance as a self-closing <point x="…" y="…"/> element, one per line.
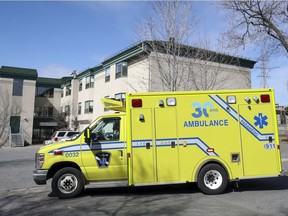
<point x="87" y="135"/>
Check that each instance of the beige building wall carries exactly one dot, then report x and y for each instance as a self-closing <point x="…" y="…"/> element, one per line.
<point x="27" y="111"/>
<point x="6" y="86"/>
<point x="22" y="106"/>
<point x="198" y="75"/>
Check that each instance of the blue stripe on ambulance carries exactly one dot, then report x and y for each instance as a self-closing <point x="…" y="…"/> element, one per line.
<point x="104" y="146"/>
<point x="85" y="147"/>
<point x="199" y="143"/>
<point x="167" y="142"/>
<point x="250" y="128"/>
<point x="73" y="148"/>
<point x="141" y="143"/>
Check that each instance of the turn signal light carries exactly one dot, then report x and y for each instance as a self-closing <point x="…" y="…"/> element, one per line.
<point x="265" y="98"/>
<point x="58" y="152"/>
<point x="210" y="150"/>
<point x="136" y="102"/>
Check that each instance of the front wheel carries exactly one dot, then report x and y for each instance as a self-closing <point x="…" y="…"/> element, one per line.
<point x="212" y="179"/>
<point x="67" y="183"/>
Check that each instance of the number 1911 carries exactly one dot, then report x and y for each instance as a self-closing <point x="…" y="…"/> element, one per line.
<point x="268" y="146"/>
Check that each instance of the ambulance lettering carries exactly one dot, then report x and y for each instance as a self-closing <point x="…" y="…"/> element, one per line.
<point x="206" y="110"/>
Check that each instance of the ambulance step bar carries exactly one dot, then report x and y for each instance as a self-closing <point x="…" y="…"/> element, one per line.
<point x="107" y="184"/>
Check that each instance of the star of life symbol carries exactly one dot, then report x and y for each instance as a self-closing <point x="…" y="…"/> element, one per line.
<point x="260" y="120"/>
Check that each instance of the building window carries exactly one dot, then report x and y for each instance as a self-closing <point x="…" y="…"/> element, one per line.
<point x="17" y="87"/>
<point x="62" y="92"/>
<point x="121" y="70"/>
<point x="79" y="108"/>
<point x="120" y="96"/>
<point x="67" y="110"/>
<point x="68" y="90"/>
<point x="80" y="84"/>
<point x="89" y="106"/>
<point x="44" y="92"/>
<point x="89" y="82"/>
<point x="43" y="112"/>
<point x="107" y="74"/>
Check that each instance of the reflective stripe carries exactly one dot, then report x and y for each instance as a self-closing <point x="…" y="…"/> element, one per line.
<point x="199" y="143"/>
<point x="167" y="142"/>
<point x="141" y="143"/>
<point x="246" y="124"/>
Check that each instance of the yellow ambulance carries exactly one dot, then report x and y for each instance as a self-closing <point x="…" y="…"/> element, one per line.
<point x="208" y="137"/>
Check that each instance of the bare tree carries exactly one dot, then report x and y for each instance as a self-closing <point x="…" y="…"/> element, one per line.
<point x="174" y="63"/>
<point x="258" y="22"/>
<point x="8" y="108"/>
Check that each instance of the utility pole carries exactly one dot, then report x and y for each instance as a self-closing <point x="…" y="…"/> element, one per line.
<point x="264" y="70"/>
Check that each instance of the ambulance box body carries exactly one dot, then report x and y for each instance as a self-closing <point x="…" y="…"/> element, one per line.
<point x="208" y="137"/>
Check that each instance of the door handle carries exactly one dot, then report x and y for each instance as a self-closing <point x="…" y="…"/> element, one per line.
<point x="173" y="144"/>
<point x="270" y="139"/>
<point x="147" y="145"/>
<point x="121" y="154"/>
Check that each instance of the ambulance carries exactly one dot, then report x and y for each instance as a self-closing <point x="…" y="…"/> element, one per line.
<point x="207" y="137"/>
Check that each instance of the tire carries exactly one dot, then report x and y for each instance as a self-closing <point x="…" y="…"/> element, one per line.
<point x="212" y="179"/>
<point x="67" y="183"/>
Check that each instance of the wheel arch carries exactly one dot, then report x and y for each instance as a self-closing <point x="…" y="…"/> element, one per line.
<point x="57" y="166"/>
<point x="205" y="162"/>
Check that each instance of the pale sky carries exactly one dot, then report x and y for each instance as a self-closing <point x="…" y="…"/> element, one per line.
<point x="58" y="37"/>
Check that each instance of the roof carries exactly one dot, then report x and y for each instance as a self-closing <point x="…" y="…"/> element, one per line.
<point x="48" y="82"/>
<point x="197" y="53"/>
<point x="18" y="73"/>
<point x="161" y="46"/>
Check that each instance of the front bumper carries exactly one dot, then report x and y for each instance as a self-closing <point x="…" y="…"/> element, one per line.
<point x="40" y="176"/>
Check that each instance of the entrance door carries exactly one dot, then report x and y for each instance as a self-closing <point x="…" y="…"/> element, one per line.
<point x="143" y="163"/>
<point x="167" y="145"/>
<point x="257" y="133"/>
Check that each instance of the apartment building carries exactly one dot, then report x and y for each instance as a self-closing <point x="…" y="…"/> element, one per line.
<point x="27" y="106"/>
<point x="137" y="68"/>
<point x="43" y="105"/>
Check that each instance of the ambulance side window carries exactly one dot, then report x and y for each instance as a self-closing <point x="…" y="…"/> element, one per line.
<point x="106" y="129"/>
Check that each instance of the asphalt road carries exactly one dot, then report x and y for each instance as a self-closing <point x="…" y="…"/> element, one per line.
<point x="19" y="195"/>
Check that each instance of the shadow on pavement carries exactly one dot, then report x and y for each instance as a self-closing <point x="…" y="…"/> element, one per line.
<point x="263" y="184"/>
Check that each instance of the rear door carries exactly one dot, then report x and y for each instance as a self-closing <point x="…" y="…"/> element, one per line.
<point x="257" y="134"/>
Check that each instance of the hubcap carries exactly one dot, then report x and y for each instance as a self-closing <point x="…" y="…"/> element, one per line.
<point x="213" y="179"/>
<point x="67" y="183"/>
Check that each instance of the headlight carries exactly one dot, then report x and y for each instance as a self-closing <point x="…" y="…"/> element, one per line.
<point x="39" y="160"/>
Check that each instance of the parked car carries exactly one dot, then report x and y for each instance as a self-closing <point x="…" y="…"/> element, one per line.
<point x="58" y="136"/>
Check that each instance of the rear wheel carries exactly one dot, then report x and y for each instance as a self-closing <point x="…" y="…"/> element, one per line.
<point x="67" y="183"/>
<point x="212" y="179"/>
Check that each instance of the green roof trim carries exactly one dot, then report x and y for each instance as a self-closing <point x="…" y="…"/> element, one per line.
<point x="18" y="73"/>
<point x="198" y="53"/>
<point x="48" y="82"/>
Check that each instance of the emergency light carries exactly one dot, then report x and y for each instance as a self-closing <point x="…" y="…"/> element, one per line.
<point x="265" y="98"/>
<point x="231" y="99"/>
<point x="171" y="101"/>
<point x="136" y="102"/>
